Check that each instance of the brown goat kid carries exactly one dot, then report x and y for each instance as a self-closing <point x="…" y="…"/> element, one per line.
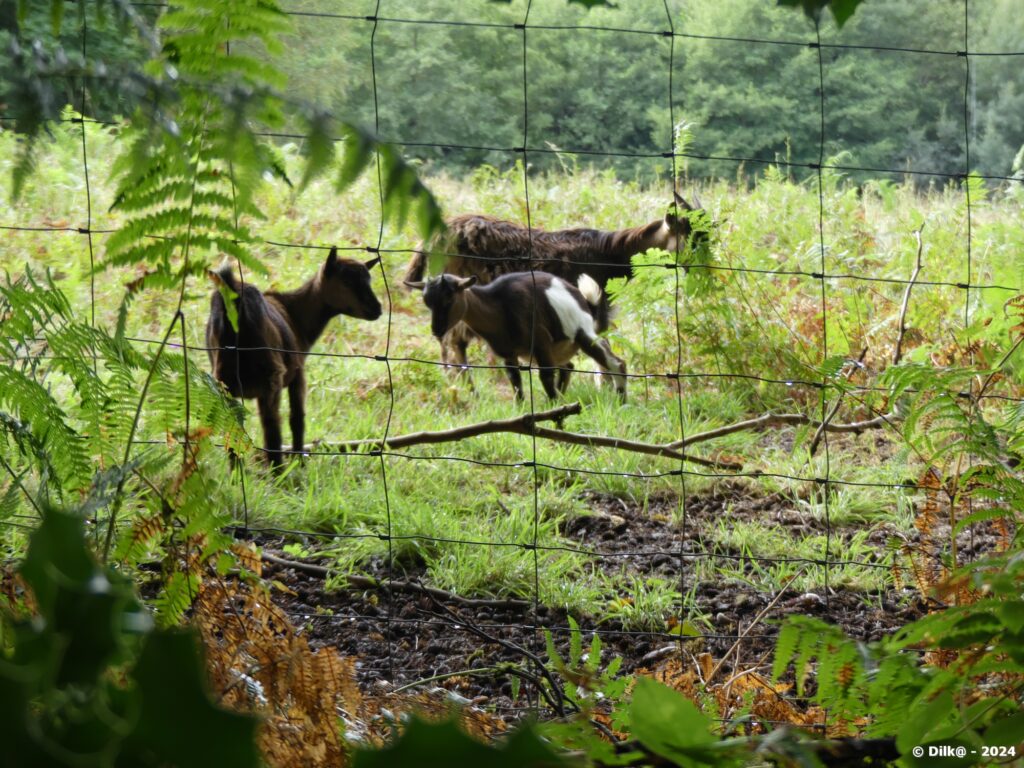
<point x="531" y="317"/>
<point x="275" y="331"/>
<point x="485" y="248"/>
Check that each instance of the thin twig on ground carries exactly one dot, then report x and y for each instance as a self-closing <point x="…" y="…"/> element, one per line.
<point x="556" y="697"/>
<point x="777" y="419"/>
<point x="754" y="623"/>
<point x="897" y="348"/>
<point x="353" y="581"/>
<point x="823" y="426"/>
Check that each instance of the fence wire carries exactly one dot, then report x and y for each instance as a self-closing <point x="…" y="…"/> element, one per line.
<point x="534" y="620"/>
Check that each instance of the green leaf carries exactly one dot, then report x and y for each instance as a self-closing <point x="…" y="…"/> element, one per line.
<point x="785" y="647"/>
<point x="1011" y="613"/>
<point x="170" y="689"/>
<point x="230" y="307"/>
<point x="56" y="17"/>
<point x="923" y="719"/>
<point x="977" y="627"/>
<point x="358" y="152"/>
<point x="82" y="607"/>
<point x="669" y="724"/>
<point x="1007" y="732"/>
<point x="553" y="655"/>
<point x="443" y="745"/>
<point x="578" y="734"/>
<point x="575" y="642"/>
<point x="842" y="10"/>
<point x="319" y="149"/>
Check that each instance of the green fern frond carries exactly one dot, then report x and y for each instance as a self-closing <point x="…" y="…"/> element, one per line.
<point x="32" y="404"/>
<point x="11" y="500"/>
<point x="177" y="596"/>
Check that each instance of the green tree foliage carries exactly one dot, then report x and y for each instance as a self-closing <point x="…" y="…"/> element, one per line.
<point x="202" y="109"/>
<point x="883" y="109"/>
<point x="456" y="85"/>
<point x="91" y="32"/>
<point x="591" y="90"/>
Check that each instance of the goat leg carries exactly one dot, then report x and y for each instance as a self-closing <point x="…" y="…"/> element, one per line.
<point x="600" y="351"/>
<point x="512" y="369"/>
<point x="297" y="411"/>
<point x="547" y="379"/>
<point x="270" y="417"/>
<point x="563" y="377"/>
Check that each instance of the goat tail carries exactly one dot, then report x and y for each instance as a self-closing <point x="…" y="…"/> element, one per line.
<point x="597" y="300"/>
<point x="226" y="275"/>
<point x="590" y="289"/>
<point x="249" y="304"/>
<point x="417" y="266"/>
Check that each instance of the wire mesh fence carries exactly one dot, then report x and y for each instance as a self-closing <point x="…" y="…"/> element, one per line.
<point x="407" y="608"/>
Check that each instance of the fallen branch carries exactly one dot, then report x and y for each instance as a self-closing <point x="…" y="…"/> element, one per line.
<point x="775" y="419"/>
<point x="527" y="425"/>
<point x="555" y="697"/>
<point x="352" y="581"/>
<point x="651" y="449"/>
<point x="518" y="424"/>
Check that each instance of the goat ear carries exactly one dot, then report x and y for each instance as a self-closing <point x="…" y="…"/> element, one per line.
<point x="332" y="257"/>
<point x="371" y="263"/>
<point x="216" y="279"/>
<point x="681" y="201"/>
<point x="416" y="285"/>
<point x="462" y="283"/>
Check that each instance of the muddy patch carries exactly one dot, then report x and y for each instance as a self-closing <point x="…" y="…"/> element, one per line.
<point x="406" y="637"/>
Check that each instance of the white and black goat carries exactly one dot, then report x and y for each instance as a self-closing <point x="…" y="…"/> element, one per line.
<point x="529" y="316"/>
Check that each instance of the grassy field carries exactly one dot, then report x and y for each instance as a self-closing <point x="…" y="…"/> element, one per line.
<point x="500" y="515"/>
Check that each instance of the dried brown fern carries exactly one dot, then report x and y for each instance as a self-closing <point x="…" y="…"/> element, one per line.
<point x="748" y="691"/>
<point x="926" y="566"/>
<point x="259" y="662"/>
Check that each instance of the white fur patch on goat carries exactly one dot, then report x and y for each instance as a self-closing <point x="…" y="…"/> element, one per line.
<point x="570" y="314"/>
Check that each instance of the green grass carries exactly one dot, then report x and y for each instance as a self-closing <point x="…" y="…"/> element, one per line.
<point x="478" y="490"/>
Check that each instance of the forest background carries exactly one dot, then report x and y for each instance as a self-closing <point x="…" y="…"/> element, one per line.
<point x="590" y="94"/>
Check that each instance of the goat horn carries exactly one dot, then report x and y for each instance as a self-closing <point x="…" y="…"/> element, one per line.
<point x="416" y="285"/>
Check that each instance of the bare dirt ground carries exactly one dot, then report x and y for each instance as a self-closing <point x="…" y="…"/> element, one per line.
<point x="403" y="638"/>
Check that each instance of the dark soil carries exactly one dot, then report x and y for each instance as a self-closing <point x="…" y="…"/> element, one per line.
<point x="405" y="637"/>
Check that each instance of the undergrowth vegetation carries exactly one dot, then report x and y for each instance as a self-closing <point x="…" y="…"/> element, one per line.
<point x="750" y="343"/>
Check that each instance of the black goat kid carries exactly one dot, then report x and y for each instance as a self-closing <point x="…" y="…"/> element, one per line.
<point x="275" y="331"/>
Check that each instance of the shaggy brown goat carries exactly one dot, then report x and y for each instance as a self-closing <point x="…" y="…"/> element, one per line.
<point x="275" y="331"/>
<point x="527" y="316"/>
<point x="485" y="247"/>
